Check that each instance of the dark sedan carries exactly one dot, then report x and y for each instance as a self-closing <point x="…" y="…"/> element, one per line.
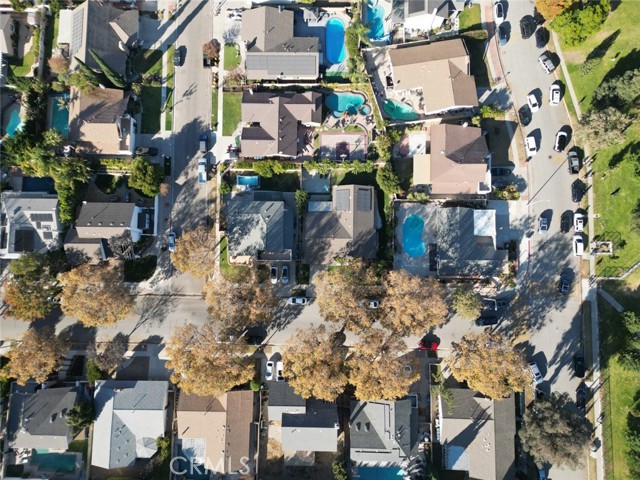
<point x="577" y="190"/>
<point x="526" y="27"/>
<point x="542" y="37"/>
<point x="146" y="151"/>
<point x="578" y="365"/>
<point x="487" y="320"/>
<point x="525" y="115"/>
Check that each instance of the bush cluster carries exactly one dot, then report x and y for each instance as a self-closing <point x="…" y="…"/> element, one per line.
<point x="576" y="25"/>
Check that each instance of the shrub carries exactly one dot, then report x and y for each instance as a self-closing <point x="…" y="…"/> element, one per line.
<point x="491" y="111"/>
<point x="254" y="385"/>
<point x="302" y="197"/>
<point x="575" y="26"/>
<point x="140" y="269"/>
<point x="476" y="34"/>
<point x="418" y="197"/>
<point x="146" y="176"/>
<point x="388" y="180"/>
<point x="94" y="373"/>
<point x="589" y="65"/>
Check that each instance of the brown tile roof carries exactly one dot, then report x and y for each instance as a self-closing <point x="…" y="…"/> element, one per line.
<point x="440" y="69"/>
<point x="273" y="119"/>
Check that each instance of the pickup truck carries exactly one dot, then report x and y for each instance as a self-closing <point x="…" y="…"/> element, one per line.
<point x="202" y="170"/>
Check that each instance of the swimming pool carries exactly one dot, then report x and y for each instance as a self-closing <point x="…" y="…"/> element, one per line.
<point x="381" y="473"/>
<point x="15" y="122"/>
<point x="54" y="462"/>
<point x="400" y="111"/>
<point x="340" y="102"/>
<point x="412" y="242"/>
<point x="248" y="180"/>
<point x="375" y="20"/>
<point x="59" y="118"/>
<point x="334" y="38"/>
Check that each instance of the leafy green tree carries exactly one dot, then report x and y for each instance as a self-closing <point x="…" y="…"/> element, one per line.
<point x="554" y="432"/>
<point x="620" y="92"/>
<point x="491" y="111"/>
<point x="576" y="25"/>
<point x="388" y="180"/>
<point x="302" y="197"/>
<point x="602" y="128"/>
<point x="80" y="417"/>
<point x="114" y="77"/>
<point x="550" y="9"/>
<point x="339" y="470"/>
<point x="94" y="373"/>
<point x="90" y="76"/>
<point x="146" y="176"/>
<point x="467" y="303"/>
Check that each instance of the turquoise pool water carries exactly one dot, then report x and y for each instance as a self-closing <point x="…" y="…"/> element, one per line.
<point x="380" y="473"/>
<point x="412" y="242"/>
<point x="60" y="114"/>
<point x="248" y="180"/>
<point x="54" y="462"/>
<point x="375" y="20"/>
<point x="15" y="122"/>
<point x="338" y="103"/>
<point x="334" y="39"/>
<point x="400" y="111"/>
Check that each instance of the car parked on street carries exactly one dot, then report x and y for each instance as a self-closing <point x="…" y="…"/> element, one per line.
<point x="535" y="373"/>
<point x="545" y="62"/>
<point x="578" y="222"/>
<point x="555" y="94"/>
<point x="273" y="274"/>
<point x="172" y="241"/>
<point x="487" y="319"/>
<point x="285" y="274"/>
<point x="526" y="27"/>
<point x="498" y="13"/>
<point x="279" y="375"/>
<point x="428" y="345"/>
<point x="297" y="301"/>
<point x="581" y="396"/>
<point x="531" y="146"/>
<point x="542" y="37"/>
<point x="177" y="57"/>
<point x="203" y="143"/>
<point x="577" y="190"/>
<point x="578" y="245"/>
<point x="561" y="141"/>
<point x="532" y="101"/>
<point x="566" y="219"/>
<point x="543" y="225"/>
<point x="268" y="374"/>
<point x="503" y="35"/>
<point x="202" y="170"/>
<point x="145" y="151"/>
<point x="564" y="287"/>
<point x="573" y="162"/>
<point x="578" y="365"/>
<point x="524" y="113"/>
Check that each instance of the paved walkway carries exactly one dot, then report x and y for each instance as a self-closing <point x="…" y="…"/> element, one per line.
<point x="565" y="72"/>
<point x="612" y="301"/>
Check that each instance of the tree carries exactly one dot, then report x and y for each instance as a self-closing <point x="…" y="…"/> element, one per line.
<point x="108" y="355"/>
<point x="146" y="176"/>
<point x="620" y="92"/>
<point x="491" y="111"/>
<point x="375" y="369"/>
<point x="95" y="295"/>
<point x="339" y="470"/>
<point x="411" y="305"/>
<point x="302" y="198"/>
<point x="555" y="433"/>
<point x="388" y="180"/>
<point x="122" y="245"/>
<point x="90" y="75"/>
<point x="236" y="307"/>
<point x="38" y="355"/>
<point x="195" y="252"/>
<point x="114" y="77"/>
<point x="602" y="128"/>
<point x="467" y="303"/>
<point x="204" y="366"/>
<point x="574" y="26"/>
<point x="58" y="64"/>
<point x="342" y="294"/>
<point x="80" y="417"/>
<point x="489" y="364"/>
<point x="211" y="49"/>
<point x="550" y="9"/>
<point x="314" y="363"/>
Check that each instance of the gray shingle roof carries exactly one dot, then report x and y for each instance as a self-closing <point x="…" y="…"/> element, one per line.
<point x="104" y="219"/>
<point x="313" y="431"/>
<point x="282" y="400"/>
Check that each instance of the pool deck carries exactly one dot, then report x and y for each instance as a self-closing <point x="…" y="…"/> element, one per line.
<point x="356" y="141"/>
<point x="318" y="29"/>
<point x="420" y="265"/>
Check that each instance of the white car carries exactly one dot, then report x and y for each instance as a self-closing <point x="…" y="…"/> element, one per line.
<point x="578" y="222"/>
<point x="554" y="94"/>
<point x="297" y="301"/>
<point x="498" y="13"/>
<point x="172" y="241"/>
<point x="279" y="376"/>
<point x="268" y="374"/>
<point x="535" y="373"/>
<point x="273" y="275"/>
<point x="533" y="102"/>
<point x="578" y="245"/>
<point x="374" y="303"/>
<point x="530" y="146"/>
<point x="543" y="225"/>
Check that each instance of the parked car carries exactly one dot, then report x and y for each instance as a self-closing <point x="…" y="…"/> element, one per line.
<point x="577" y="190"/>
<point x="555" y="94"/>
<point x="145" y="151"/>
<point x="486" y="320"/>
<point x="545" y="62"/>
<point x="530" y="145"/>
<point x="524" y="113"/>
<point x="578" y="245"/>
<point x="255" y="339"/>
<point x="503" y="35"/>
<point x="172" y="241"/>
<point x="561" y="141"/>
<point x="500" y="172"/>
<point x="535" y="373"/>
<point x="203" y="143"/>
<point x="498" y="13"/>
<point x="428" y="345"/>
<point x="177" y="57"/>
<point x="542" y="37"/>
<point x="297" y="301"/>
<point x="564" y="287"/>
<point x="273" y="274"/>
<point x="532" y="101"/>
<point x="202" y="170"/>
<point x="268" y="374"/>
<point x="566" y="221"/>
<point x="578" y="365"/>
<point x="490" y="304"/>
<point x="578" y="222"/>
<point x="573" y="162"/>
<point x="279" y="375"/>
<point x="285" y="274"/>
<point x="543" y="225"/>
<point x="581" y="396"/>
<point x="373" y="303"/>
<point x="526" y="27"/>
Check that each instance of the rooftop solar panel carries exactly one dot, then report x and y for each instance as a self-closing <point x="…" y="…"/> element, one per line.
<point x="343" y="203"/>
<point x="364" y="200"/>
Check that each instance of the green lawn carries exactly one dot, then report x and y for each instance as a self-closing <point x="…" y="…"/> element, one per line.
<point x="470" y="19"/>
<point x="620" y="388"/>
<point x="22" y="66"/>
<point x="151" y="99"/>
<point x="285" y="182"/>
<point x="149" y="62"/>
<point x="214" y="108"/>
<point x="231" y="112"/>
<point x="233" y="273"/>
<point x="231" y="57"/>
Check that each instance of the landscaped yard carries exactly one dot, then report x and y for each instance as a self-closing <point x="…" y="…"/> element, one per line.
<point x="170" y="84"/>
<point x="616" y="41"/>
<point x="285" y="182"/>
<point x="149" y="62"/>
<point x="22" y="66"/>
<point x="214" y="108"/>
<point x="232" y="113"/>
<point x="233" y="273"/>
<point x="470" y="21"/>
<point x="231" y="57"/>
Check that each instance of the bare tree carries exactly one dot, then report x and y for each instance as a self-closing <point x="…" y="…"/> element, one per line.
<point x="122" y="245"/>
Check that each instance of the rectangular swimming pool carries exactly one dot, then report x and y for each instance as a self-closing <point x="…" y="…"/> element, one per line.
<point x="248" y="180"/>
<point x="54" y="462"/>
<point x="60" y="113"/>
<point x="380" y="473"/>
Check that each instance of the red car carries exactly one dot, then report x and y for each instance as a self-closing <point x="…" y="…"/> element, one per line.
<point x="428" y="345"/>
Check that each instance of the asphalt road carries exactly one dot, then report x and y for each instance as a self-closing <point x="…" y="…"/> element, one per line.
<point x="554" y="321"/>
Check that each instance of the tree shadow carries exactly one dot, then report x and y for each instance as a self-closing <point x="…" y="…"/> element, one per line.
<point x="628" y="62"/>
<point x="154" y="309"/>
<point x="601" y="50"/>
<point x="631" y="151"/>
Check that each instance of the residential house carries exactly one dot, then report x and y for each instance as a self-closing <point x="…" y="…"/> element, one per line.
<point x="218" y="434"/>
<point x="383" y="434"/>
<point x="277" y="123"/>
<point x="458" y="166"/>
<point x="7" y="30"/>
<point x="97" y="222"/>
<point x="99" y="122"/>
<point x="478" y="435"/>
<point x="260" y="227"/>
<point x="37" y="417"/>
<point x="273" y="52"/>
<point x="282" y="400"/>
<point x="424" y="15"/>
<point x="107" y="31"/>
<point x="29" y="222"/>
<point x="130" y="416"/>
<point x="438" y="71"/>
<point x="344" y="225"/>
<point x="466" y="243"/>
<point x="315" y="430"/>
